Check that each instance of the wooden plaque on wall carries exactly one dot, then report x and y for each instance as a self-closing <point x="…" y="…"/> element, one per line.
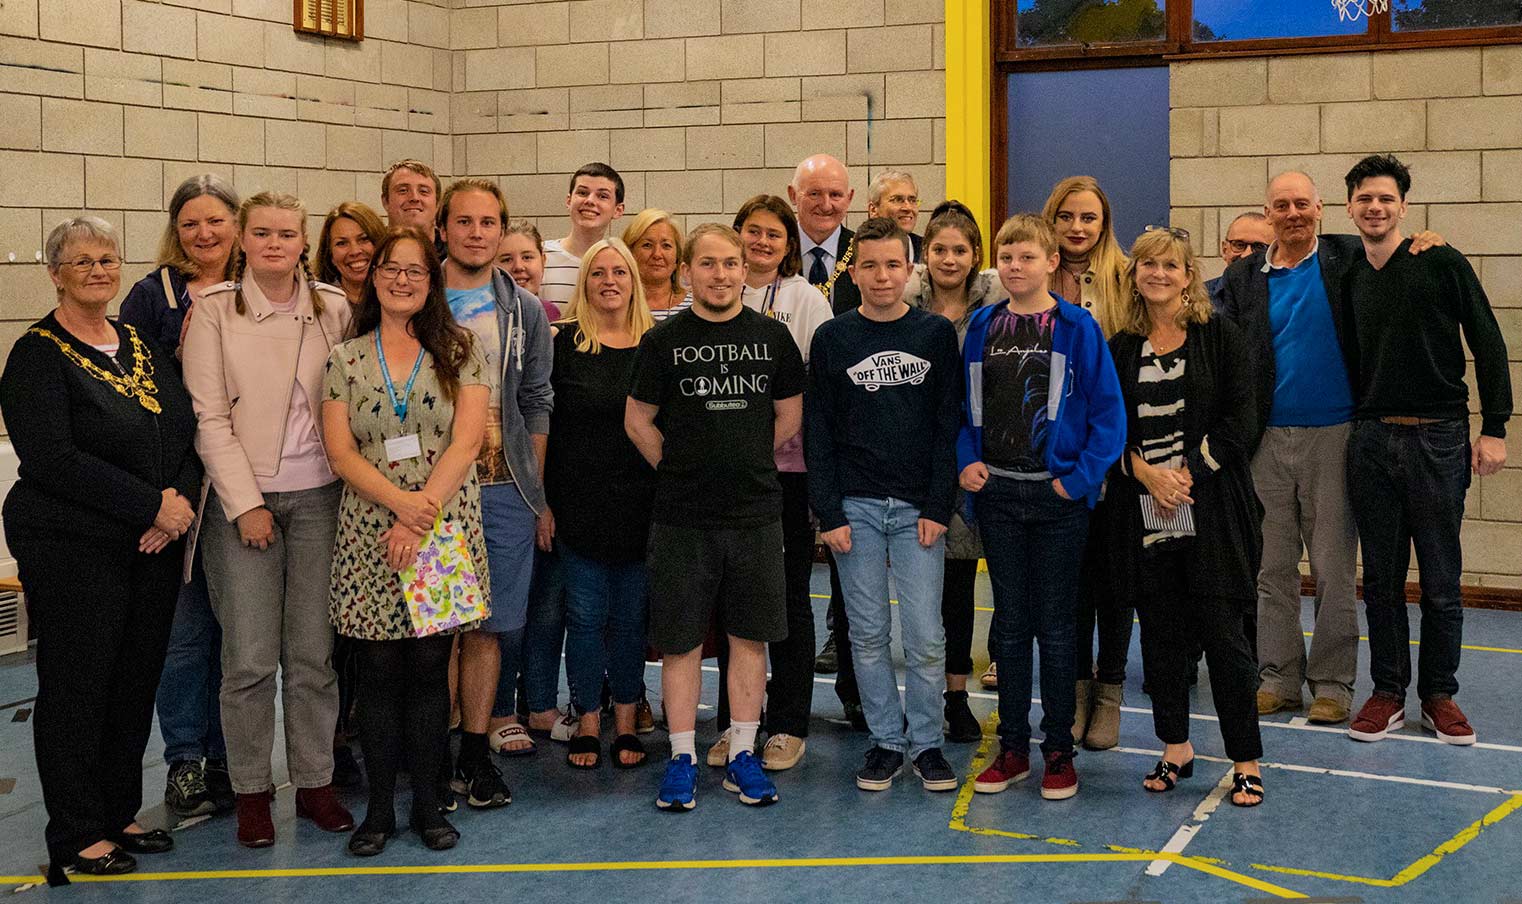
<point x="330" y="18"/>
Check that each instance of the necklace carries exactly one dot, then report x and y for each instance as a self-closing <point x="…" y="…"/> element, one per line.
<point x="840" y="267"/>
<point x="139" y="384"/>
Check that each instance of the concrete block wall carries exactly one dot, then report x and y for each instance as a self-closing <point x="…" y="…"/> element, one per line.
<point x="1455" y="115"/>
<point x="106" y="105"/>
<point x="698" y="103"/>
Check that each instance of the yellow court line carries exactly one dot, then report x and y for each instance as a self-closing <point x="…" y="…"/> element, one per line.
<point x="644" y="865"/>
<point x="1209" y="866"/>
<point x="1422" y="864"/>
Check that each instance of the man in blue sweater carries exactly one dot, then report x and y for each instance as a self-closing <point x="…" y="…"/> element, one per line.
<point x="880" y="443"/>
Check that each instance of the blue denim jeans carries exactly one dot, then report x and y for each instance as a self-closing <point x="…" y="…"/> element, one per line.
<point x="189" y="707"/>
<point x="885" y="531"/>
<point x="604" y="628"/>
<point x="1033" y="540"/>
<point x="532" y="653"/>
<point x="1407" y="486"/>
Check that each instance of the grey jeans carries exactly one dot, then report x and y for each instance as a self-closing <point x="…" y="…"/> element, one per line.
<point x="1300" y="474"/>
<point x="273" y="607"/>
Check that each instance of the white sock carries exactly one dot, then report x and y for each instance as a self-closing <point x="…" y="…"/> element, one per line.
<point x="742" y="738"/>
<point x="684" y="742"/>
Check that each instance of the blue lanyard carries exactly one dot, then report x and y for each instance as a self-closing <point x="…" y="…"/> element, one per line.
<point x="769" y="299"/>
<point x="397" y="405"/>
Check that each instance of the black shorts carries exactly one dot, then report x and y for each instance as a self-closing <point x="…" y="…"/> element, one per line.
<point x="730" y="577"/>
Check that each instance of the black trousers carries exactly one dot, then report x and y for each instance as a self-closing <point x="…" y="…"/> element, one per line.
<point x="840" y="629"/>
<point x="1096" y="609"/>
<point x="403" y="718"/>
<point x="102" y="611"/>
<point x="957" y="613"/>
<point x="790" y="691"/>
<point x="1173" y="623"/>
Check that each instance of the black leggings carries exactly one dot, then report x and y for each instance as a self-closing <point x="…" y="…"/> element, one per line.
<point x="957" y="613"/>
<point x="404" y="722"/>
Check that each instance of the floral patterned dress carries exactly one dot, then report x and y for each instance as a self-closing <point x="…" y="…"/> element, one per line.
<point x="366" y="599"/>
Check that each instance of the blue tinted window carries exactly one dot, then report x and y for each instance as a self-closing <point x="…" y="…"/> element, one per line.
<point x="1040" y="23"/>
<point x="1422" y="15"/>
<point x="1068" y="124"/>
<point x="1240" y="20"/>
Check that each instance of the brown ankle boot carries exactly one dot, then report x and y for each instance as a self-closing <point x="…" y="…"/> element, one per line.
<point x="1104" y="717"/>
<point x="255" y="827"/>
<point x="1084" y="698"/>
<point x="322" y="806"/>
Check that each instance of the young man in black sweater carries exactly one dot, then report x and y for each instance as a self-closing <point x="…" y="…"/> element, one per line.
<point x="1410" y="458"/>
<point x="881" y="421"/>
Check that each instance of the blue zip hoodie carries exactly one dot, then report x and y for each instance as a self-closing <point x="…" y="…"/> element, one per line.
<point x="1084" y="405"/>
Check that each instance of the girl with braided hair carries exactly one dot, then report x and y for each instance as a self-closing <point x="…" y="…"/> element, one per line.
<point x="254" y="357"/>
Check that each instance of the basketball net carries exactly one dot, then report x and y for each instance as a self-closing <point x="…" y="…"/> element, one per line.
<point x="1349" y="10"/>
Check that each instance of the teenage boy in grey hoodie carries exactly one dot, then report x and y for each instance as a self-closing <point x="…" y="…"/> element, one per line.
<point x="514" y="335"/>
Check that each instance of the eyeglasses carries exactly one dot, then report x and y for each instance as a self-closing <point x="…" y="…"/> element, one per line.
<point x="1241" y="246"/>
<point x="392" y="271"/>
<point x="1180" y="234"/>
<point x="84" y="265"/>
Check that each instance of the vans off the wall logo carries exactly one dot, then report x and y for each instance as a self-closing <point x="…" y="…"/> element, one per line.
<point x="720" y="385"/>
<point x="888" y="369"/>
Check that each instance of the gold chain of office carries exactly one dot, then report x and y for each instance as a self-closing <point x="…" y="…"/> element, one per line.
<point x="139" y="384"/>
<point x="840" y="267"/>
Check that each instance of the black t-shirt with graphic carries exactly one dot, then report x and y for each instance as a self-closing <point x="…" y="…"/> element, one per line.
<point x="715" y="384"/>
<point x="1017" y="366"/>
<point x="882" y="413"/>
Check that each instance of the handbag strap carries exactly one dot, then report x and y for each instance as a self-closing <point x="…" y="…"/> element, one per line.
<point x="169" y="296"/>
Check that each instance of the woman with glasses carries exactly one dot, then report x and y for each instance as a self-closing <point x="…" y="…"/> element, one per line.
<point x="1185" y="536"/>
<point x="195" y="253"/>
<point x="413" y="452"/>
<point x="103" y="430"/>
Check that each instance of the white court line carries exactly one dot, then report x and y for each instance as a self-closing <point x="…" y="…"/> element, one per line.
<point x="1191" y="827"/>
<point x="1204" y="717"/>
<point x="1341" y="773"/>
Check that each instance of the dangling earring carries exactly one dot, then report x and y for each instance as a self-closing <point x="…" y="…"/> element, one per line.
<point x="1186" y="298"/>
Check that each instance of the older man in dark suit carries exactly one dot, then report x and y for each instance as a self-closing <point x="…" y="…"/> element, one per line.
<point x="821" y="193"/>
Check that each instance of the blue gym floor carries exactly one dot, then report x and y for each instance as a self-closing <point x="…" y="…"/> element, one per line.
<point x="1406" y="820"/>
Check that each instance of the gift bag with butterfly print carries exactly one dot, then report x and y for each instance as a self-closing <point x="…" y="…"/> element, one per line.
<point x="442" y="587"/>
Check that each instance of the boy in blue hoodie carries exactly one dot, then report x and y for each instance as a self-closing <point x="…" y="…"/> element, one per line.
<point x="1042" y="423"/>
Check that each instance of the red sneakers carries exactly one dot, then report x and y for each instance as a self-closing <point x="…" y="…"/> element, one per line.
<point x="321" y="806"/>
<point x="1008" y="768"/>
<point x="255" y="827"/>
<point x="1379" y="714"/>
<point x="1060" y="781"/>
<point x="1443" y="717"/>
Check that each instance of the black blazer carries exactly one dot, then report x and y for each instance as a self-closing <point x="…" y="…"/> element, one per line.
<point x="93" y="462"/>
<point x="1243" y="297"/>
<point x="918" y="243"/>
<point x="1218" y="442"/>
<point x="845" y="296"/>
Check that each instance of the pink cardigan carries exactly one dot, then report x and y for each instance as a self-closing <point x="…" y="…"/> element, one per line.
<point x="240" y="368"/>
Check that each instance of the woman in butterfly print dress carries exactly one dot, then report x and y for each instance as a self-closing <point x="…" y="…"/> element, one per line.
<point x="403" y="694"/>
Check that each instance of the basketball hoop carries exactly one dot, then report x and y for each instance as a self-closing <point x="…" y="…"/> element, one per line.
<point x="1351" y="10"/>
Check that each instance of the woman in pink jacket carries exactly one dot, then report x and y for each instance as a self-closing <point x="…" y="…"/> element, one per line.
<point x="254" y="356"/>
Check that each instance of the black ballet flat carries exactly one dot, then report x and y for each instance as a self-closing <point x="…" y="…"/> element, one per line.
<point x="439" y="838"/>
<point x="365" y="843"/>
<point x="114" y="862"/>
<point x="156" y="841"/>
<point x="1169" y="774"/>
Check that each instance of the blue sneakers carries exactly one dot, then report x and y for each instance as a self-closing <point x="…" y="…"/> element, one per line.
<point x="679" y="787"/>
<point x="744" y="776"/>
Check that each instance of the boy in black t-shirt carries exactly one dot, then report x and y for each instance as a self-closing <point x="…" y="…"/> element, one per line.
<point x="716" y="388"/>
<point x="883" y="413"/>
